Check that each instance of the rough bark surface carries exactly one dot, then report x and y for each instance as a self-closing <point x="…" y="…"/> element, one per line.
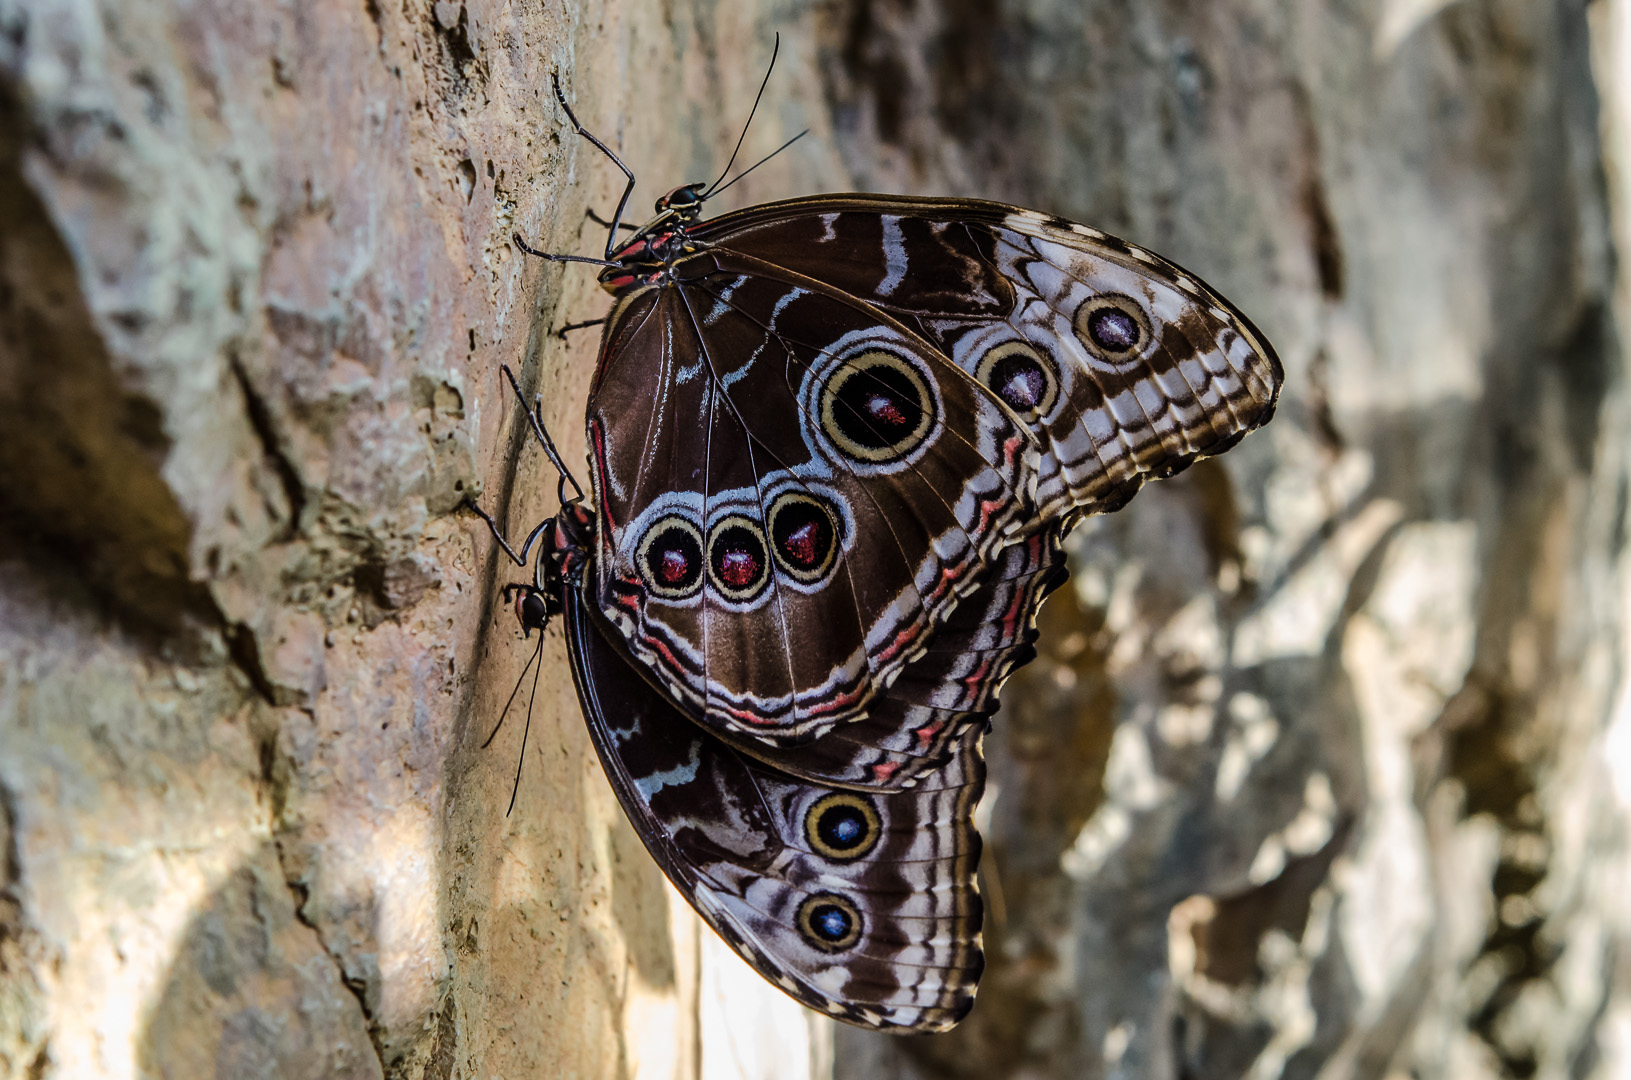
<point x="1324" y="768"/>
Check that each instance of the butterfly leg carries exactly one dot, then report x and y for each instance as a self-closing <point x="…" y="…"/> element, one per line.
<point x="571" y="327"/>
<point x="628" y="189"/>
<point x="498" y="534"/>
<point x="604" y="224"/>
<point x="535" y="416"/>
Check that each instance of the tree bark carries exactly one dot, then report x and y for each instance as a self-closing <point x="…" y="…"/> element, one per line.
<point x="1324" y="767"/>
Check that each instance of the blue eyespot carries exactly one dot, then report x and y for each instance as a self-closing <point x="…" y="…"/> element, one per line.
<point x="842" y="826"/>
<point x="829" y="922"/>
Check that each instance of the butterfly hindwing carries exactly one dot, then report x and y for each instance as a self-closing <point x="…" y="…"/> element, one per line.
<point x="861" y="905"/>
<point x="913" y="728"/>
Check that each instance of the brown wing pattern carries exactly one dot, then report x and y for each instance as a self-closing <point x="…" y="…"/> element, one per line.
<point x="860" y="905"/>
<point x="1126" y="366"/>
<point x="794" y="492"/>
<point x="913" y="728"/>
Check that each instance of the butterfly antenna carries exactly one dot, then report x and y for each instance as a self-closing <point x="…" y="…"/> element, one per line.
<point x="766" y="82"/>
<point x="521" y="758"/>
<point x="535" y="417"/>
<point x="760" y="162"/>
<point x="505" y="711"/>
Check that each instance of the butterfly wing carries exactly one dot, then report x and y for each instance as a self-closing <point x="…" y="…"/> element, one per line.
<point x="1126" y="366"/>
<point x="860" y="905"/>
<point x="794" y="491"/>
<point x="916" y="726"/>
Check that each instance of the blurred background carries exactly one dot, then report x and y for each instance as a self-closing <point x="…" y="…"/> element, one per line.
<point x="1324" y="769"/>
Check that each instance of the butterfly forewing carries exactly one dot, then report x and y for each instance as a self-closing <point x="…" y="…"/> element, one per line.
<point x="1125" y="365"/>
<point x="794" y="490"/>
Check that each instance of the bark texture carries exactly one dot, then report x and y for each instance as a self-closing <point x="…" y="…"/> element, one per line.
<point x="1324" y="768"/>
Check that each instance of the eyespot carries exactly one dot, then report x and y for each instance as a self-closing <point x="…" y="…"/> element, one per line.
<point x="842" y="826"/>
<point x="829" y="922"/>
<point x="670" y="558"/>
<point x="1113" y="327"/>
<point x="737" y="564"/>
<point x="803" y="536"/>
<point x="1021" y="376"/>
<point x="876" y="407"/>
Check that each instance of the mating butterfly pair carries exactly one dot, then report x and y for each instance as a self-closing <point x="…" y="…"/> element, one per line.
<point x="834" y="445"/>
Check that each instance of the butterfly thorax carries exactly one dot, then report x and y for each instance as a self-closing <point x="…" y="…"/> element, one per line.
<point x="651" y="252"/>
<point x="570" y="537"/>
<point x="565" y="541"/>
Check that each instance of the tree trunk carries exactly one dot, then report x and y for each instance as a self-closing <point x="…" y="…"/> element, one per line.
<point x="1324" y="767"/>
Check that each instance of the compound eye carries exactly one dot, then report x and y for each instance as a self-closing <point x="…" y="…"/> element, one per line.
<point x="670" y="558"/>
<point x="1113" y="327"/>
<point x="689" y="195"/>
<point x="531" y="610"/>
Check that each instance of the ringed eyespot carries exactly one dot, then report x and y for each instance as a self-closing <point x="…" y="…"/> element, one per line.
<point x="738" y="566"/>
<point x="876" y="407"/>
<point x="1113" y="327"/>
<point x="669" y="558"/>
<point x="1025" y="380"/>
<point x="842" y="826"/>
<point x="829" y="922"/>
<point x="803" y="536"/>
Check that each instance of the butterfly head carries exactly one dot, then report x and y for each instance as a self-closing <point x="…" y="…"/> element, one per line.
<point x="684" y="203"/>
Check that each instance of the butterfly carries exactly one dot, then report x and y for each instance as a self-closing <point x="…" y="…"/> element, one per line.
<point x="834" y="444"/>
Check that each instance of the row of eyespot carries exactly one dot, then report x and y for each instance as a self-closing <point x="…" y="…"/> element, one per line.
<point x="841" y="827"/>
<point x="804" y="542"/>
<point x="877" y="409"/>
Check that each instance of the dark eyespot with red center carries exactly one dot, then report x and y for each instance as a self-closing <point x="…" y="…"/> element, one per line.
<point x="803" y="537"/>
<point x="738" y="565"/>
<point x="1113" y="327"/>
<point x="670" y="558"/>
<point x="739" y="568"/>
<point x="877" y="407"/>
<point x="1021" y="376"/>
<point x="829" y="922"/>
